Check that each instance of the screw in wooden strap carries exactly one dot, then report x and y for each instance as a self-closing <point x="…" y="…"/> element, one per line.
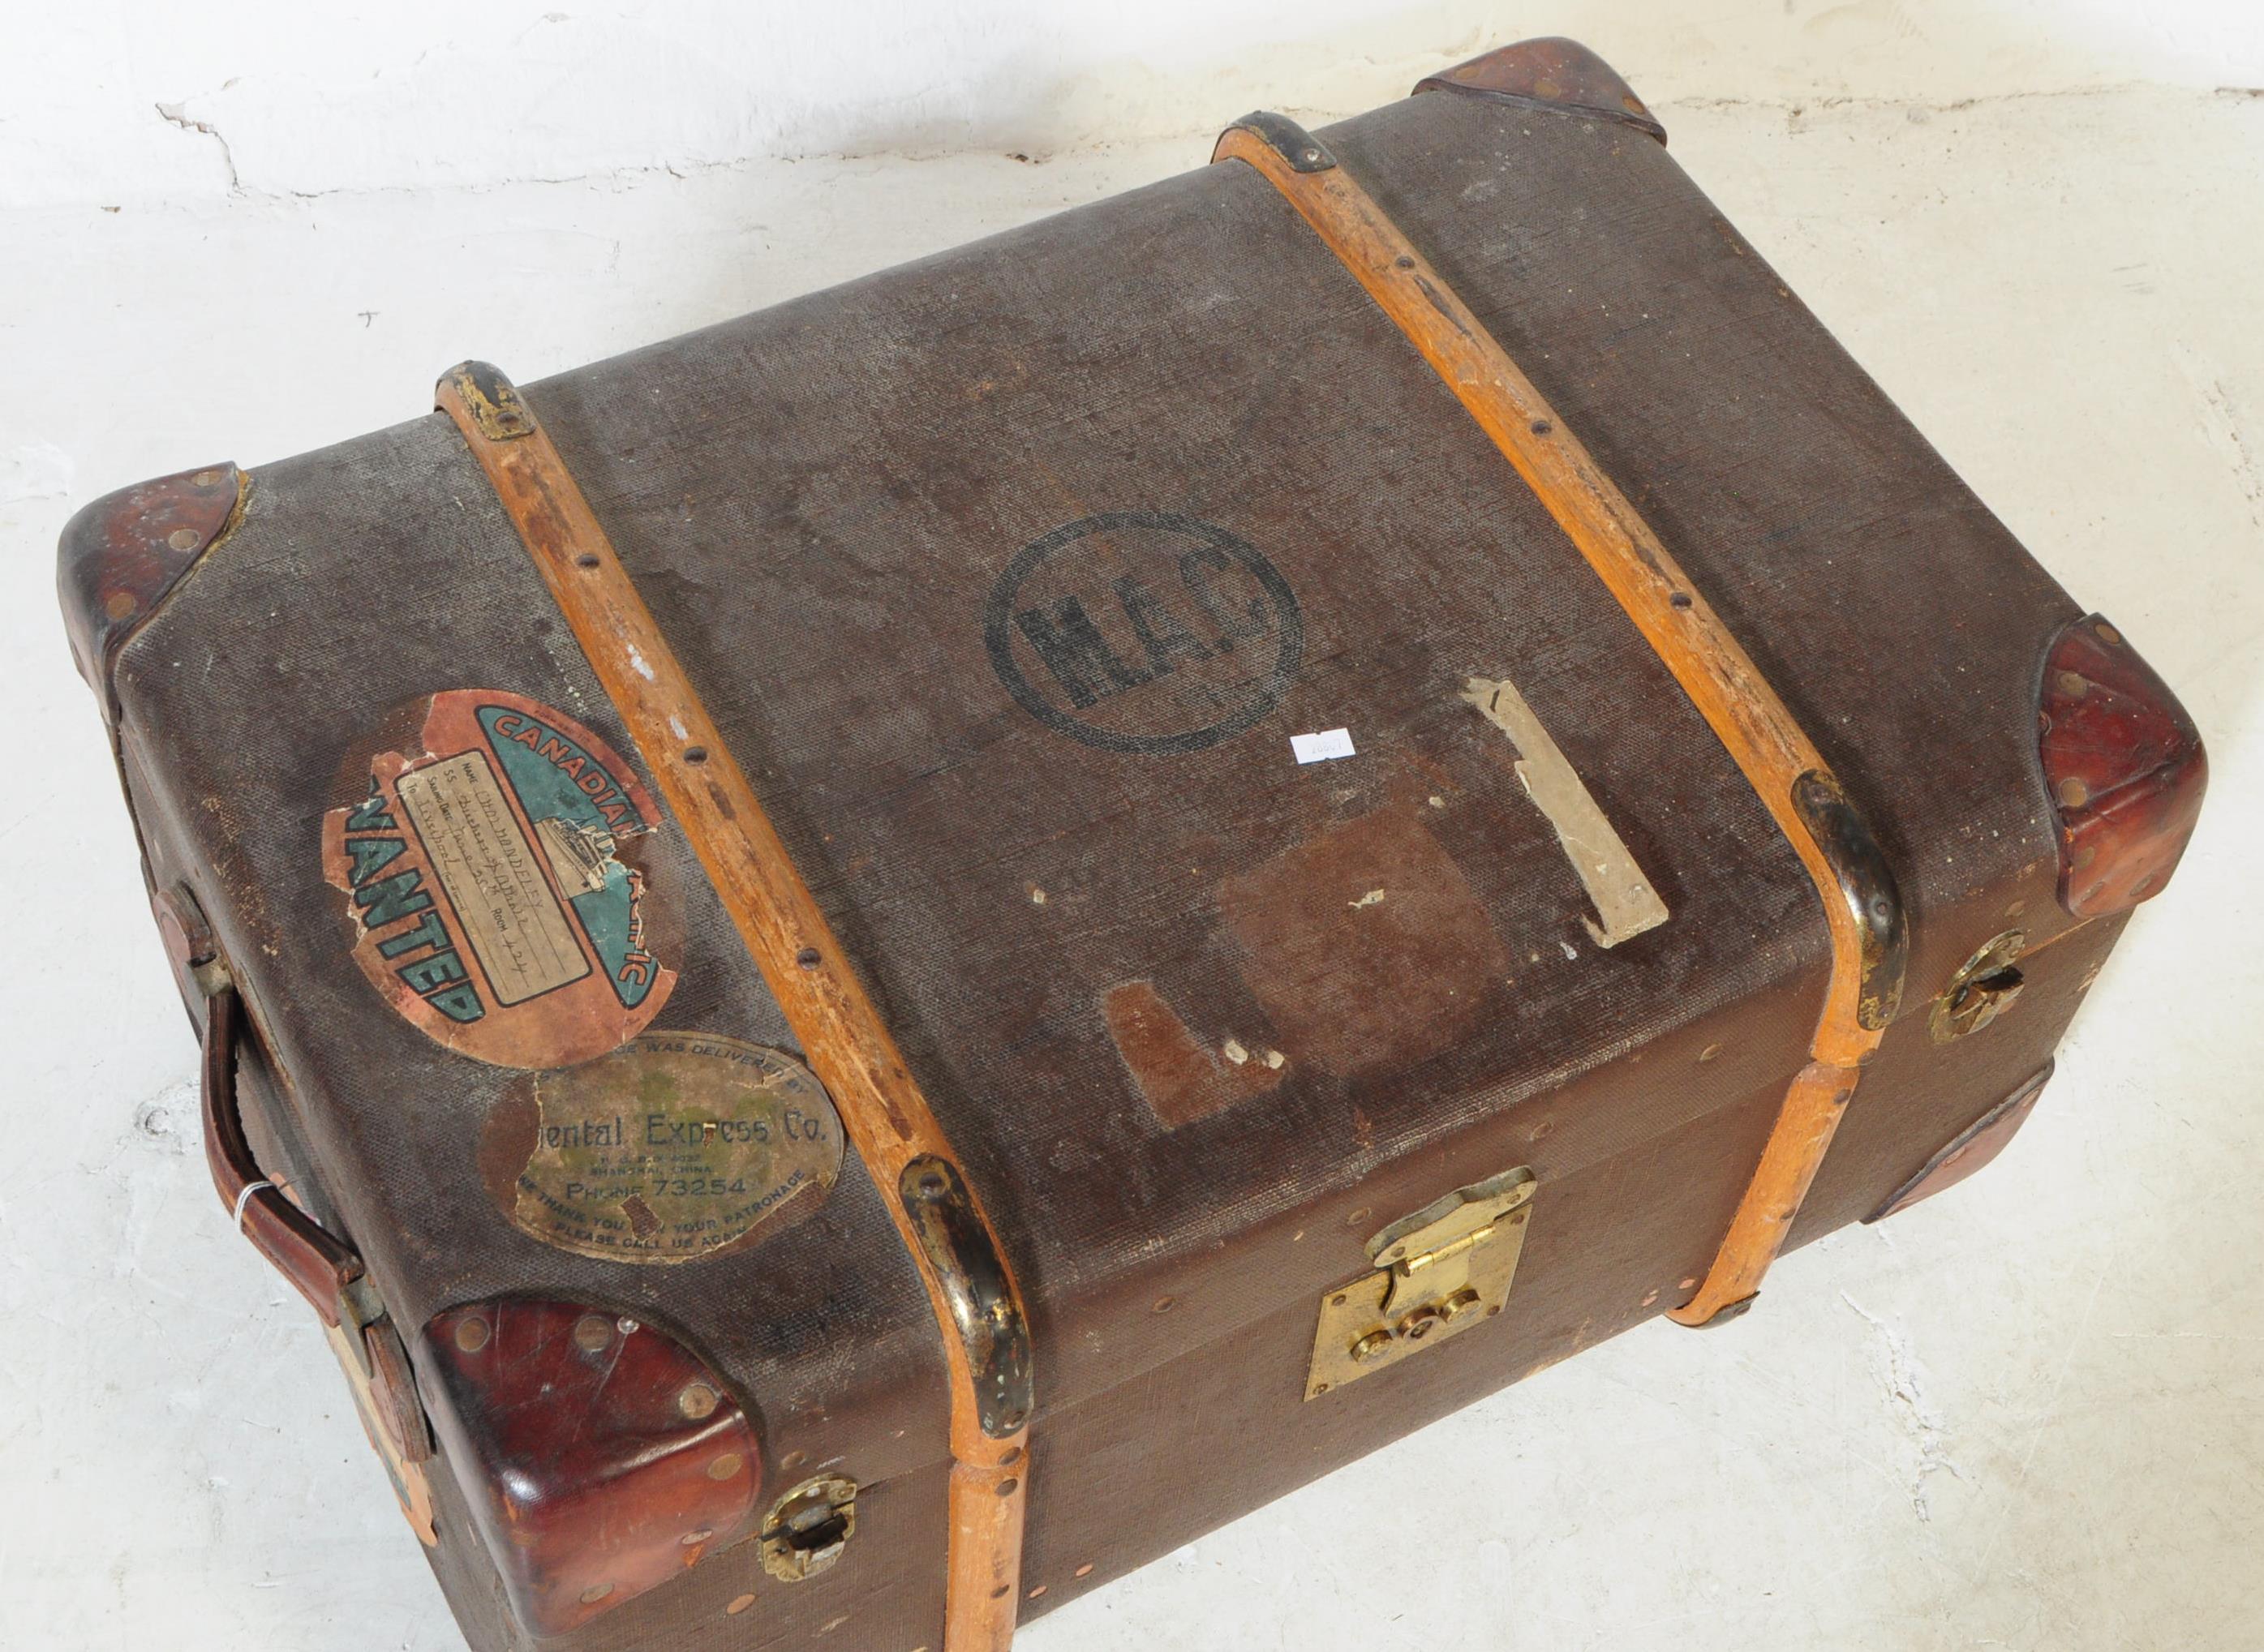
<point x="843" y="1039"/>
<point x="1795" y="785"/>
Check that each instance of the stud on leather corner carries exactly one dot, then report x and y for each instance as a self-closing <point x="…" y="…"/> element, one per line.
<point x="2124" y="766"/>
<point x="121" y="556"/>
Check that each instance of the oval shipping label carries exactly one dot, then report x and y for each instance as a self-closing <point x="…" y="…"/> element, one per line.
<point x="495" y="875"/>
<point x="676" y="1147"/>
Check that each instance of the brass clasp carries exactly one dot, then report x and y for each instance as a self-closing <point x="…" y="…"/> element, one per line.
<point x="1439" y="1272"/>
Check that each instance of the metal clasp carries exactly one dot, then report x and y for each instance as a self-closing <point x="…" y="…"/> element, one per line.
<point x="809" y="1527"/>
<point x="1440" y="1270"/>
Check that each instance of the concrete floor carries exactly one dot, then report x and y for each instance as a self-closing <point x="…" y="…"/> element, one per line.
<point x="2023" y="1415"/>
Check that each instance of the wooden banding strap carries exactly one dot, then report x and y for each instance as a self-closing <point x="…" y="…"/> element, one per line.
<point x="1784" y="767"/>
<point x="887" y="1120"/>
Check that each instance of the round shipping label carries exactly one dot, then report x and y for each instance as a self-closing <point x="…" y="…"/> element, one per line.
<point x="496" y="871"/>
<point x="676" y="1147"/>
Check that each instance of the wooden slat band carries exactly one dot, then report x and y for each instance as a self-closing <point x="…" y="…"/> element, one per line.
<point x="886" y="1117"/>
<point x="1784" y="767"/>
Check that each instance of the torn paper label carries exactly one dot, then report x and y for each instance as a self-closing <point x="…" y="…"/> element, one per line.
<point x="674" y="1147"/>
<point x="1624" y="899"/>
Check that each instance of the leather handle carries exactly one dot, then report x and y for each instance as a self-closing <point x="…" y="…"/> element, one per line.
<point x="313" y="1260"/>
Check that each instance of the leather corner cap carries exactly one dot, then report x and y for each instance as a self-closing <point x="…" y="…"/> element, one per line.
<point x="1971" y="1150"/>
<point x="2124" y="766"/>
<point x="121" y="556"/>
<point x="1549" y="74"/>
<point x="600" y="1456"/>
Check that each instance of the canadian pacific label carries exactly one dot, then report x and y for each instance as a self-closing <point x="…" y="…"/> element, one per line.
<point x="675" y="1147"/>
<point x="496" y="875"/>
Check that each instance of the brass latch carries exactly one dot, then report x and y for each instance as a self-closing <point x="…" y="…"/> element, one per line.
<point x="1440" y="1270"/>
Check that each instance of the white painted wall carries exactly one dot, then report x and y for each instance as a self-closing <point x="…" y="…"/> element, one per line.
<point x="134" y="102"/>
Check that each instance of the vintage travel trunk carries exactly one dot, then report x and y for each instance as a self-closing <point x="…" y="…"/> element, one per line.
<point x="880" y="962"/>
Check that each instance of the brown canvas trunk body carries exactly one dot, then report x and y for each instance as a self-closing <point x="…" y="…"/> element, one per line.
<point x="1200" y="1019"/>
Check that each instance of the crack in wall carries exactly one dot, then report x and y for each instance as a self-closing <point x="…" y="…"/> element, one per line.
<point x="177" y="114"/>
<point x="1794" y="109"/>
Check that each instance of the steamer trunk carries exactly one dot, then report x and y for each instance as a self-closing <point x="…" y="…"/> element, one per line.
<point x="1008" y="578"/>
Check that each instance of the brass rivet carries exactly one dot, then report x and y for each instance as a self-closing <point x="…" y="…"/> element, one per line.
<point x="2074" y="793"/>
<point x="592" y="1331"/>
<point x="1633" y="105"/>
<point x="1040" y="1590"/>
<point x="595" y="1593"/>
<point x="792" y="1460"/>
<point x="472" y="1335"/>
<point x="697" y="1400"/>
<point x="724" y="1466"/>
<point x="2108" y="633"/>
<point x="740" y="1604"/>
<point x="1371" y="1347"/>
<point x="1163" y="1305"/>
<point x="2072" y="682"/>
<point x="121" y="603"/>
<point x="1420" y="1323"/>
<point x="206" y="478"/>
<point x="1085" y="1570"/>
<point x="184" y="538"/>
<point x="1546" y="88"/>
<point x="1710" y="1052"/>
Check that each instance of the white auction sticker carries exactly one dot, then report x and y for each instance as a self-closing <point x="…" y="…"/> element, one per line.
<point x="1330" y="743"/>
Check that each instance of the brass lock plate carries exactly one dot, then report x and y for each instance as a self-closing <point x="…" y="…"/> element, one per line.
<point x="1984" y="986"/>
<point x="808" y="1528"/>
<point x="1439" y="1271"/>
